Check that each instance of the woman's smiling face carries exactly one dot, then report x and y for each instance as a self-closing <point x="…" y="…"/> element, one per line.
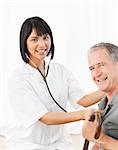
<point x="38" y="45"/>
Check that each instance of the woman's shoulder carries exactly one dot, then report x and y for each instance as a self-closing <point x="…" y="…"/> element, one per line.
<point x="22" y="70"/>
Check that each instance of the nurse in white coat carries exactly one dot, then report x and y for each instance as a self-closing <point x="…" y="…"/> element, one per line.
<point x="39" y="121"/>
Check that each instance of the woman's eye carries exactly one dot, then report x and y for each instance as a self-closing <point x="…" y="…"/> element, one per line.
<point x="34" y="39"/>
<point x="46" y="37"/>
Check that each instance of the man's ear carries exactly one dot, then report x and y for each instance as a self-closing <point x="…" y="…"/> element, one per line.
<point x="117" y="64"/>
<point x="116" y="67"/>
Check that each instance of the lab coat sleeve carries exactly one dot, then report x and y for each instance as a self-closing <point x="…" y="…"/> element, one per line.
<point x="25" y="103"/>
<point x="74" y="90"/>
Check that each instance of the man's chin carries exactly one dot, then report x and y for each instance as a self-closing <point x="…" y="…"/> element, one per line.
<point x="101" y="88"/>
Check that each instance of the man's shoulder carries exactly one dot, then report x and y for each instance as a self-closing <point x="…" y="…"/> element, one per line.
<point x="103" y="103"/>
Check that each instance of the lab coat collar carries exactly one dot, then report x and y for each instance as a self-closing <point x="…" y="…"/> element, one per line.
<point x="29" y="69"/>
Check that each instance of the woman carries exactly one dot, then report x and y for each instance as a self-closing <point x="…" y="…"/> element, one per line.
<point x="39" y="91"/>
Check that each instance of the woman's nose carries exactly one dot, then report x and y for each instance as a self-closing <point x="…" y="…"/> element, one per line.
<point x="41" y="43"/>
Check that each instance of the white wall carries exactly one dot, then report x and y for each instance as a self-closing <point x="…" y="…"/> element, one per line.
<point x="76" y="25"/>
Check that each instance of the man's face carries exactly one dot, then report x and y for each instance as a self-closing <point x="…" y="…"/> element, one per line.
<point x="103" y="70"/>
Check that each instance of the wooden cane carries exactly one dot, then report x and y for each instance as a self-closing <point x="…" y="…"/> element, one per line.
<point x="86" y="142"/>
<point x="99" y="125"/>
<point x="98" y="129"/>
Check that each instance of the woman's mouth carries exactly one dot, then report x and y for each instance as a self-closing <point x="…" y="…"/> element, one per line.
<point x="41" y="52"/>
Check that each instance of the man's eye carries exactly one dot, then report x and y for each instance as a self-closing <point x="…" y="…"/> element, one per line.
<point x="101" y="64"/>
<point x="91" y="68"/>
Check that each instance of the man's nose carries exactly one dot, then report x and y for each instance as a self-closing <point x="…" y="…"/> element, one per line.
<point x="97" y="72"/>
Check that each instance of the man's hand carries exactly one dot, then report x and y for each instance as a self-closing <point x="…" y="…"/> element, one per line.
<point x="107" y="142"/>
<point x="104" y="141"/>
<point x="88" y="130"/>
<point x="92" y="127"/>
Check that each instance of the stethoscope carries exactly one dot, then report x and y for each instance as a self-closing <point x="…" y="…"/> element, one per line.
<point x="44" y="78"/>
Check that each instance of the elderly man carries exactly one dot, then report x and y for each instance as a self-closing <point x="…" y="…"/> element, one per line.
<point x="103" y="65"/>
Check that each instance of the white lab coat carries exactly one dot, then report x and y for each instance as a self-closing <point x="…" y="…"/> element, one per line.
<point x="30" y="100"/>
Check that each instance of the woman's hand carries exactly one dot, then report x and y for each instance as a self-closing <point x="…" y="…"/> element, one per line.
<point x="89" y="112"/>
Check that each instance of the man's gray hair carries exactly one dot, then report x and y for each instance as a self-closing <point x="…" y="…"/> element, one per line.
<point x="111" y="49"/>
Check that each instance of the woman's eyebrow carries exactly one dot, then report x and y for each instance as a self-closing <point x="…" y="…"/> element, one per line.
<point x="34" y="36"/>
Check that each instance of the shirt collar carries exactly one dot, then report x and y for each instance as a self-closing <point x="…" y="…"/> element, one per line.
<point x="114" y="100"/>
<point x="104" y="101"/>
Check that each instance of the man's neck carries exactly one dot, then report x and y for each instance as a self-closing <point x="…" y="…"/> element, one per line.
<point x="111" y="94"/>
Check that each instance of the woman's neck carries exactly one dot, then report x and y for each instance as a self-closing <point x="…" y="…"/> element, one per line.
<point x="39" y="64"/>
<point x="41" y="67"/>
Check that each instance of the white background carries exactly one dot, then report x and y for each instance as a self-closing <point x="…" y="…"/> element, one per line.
<point x="76" y="26"/>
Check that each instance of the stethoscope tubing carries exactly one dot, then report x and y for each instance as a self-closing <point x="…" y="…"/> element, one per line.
<point x="44" y="77"/>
